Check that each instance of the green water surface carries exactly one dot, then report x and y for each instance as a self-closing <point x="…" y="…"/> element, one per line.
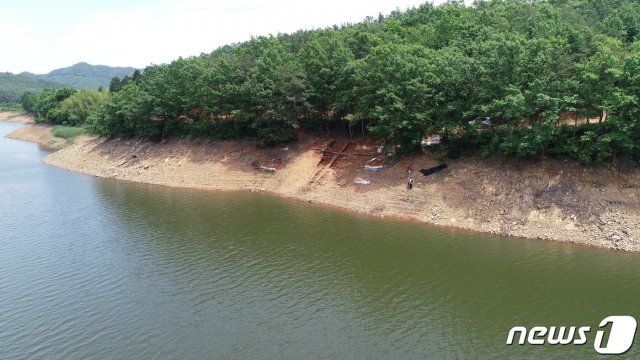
<point x="94" y="268"/>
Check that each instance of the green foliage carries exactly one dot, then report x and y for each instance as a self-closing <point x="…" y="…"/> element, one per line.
<point x="273" y="134"/>
<point x="13" y="86"/>
<point x="395" y="92"/>
<point x="81" y="75"/>
<point x="48" y="106"/>
<point x="67" y="132"/>
<point x="590" y="144"/>
<point x="115" y="85"/>
<point x="430" y="69"/>
<point x="11" y="107"/>
<point x="64" y="106"/>
<point x="28" y="100"/>
<point x="79" y="105"/>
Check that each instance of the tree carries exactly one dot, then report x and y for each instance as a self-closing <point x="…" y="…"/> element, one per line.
<point x="428" y="69"/>
<point x="28" y="100"/>
<point x="47" y="107"/>
<point x="598" y="77"/>
<point x="79" y="105"/>
<point x="325" y="59"/>
<point x="394" y="89"/>
<point x="127" y="112"/>
<point x="136" y="76"/>
<point x="115" y="85"/>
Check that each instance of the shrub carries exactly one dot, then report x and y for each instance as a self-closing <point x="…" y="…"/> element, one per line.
<point x="67" y="132"/>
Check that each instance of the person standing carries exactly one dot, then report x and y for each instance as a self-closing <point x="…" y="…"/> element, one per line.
<point x="409" y="169"/>
<point x="410" y="183"/>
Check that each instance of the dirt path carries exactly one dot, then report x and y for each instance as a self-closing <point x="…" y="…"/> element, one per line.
<point x="295" y="178"/>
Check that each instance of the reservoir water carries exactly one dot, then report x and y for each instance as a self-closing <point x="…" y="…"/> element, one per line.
<point x="93" y="268"/>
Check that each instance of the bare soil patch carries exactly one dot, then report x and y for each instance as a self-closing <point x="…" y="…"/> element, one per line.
<point x="16" y="116"/>
<point x="551" y="199"/>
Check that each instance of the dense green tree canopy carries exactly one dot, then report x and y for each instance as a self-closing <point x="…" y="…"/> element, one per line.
<point x="533" y="67"/>
<point x="65" y="106"/>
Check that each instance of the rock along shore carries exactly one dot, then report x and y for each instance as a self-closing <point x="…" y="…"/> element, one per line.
<point x="550" y="199"/>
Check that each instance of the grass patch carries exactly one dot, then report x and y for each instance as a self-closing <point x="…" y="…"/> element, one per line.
<point x="67" y="132"/>
<point x="11" y="107"/>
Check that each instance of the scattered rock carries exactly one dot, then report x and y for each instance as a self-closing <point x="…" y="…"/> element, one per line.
<point x="362" y="181"/>
<point x="267" y="169"/>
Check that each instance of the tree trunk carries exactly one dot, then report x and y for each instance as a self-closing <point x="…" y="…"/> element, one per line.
<point x="601" y="116"/>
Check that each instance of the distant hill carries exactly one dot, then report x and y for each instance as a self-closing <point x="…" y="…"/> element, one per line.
<point x="83" y="75"/>
<point x="12" y="86"/>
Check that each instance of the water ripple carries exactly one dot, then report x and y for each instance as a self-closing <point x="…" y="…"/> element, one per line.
<point x="94" y="268"/>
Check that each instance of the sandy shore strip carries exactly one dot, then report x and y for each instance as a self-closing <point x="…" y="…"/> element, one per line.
<point x="37" y="133"/>
<point x="40" y="134"/>
<point x="551" y="200"/>
<point x="16" y="116"/>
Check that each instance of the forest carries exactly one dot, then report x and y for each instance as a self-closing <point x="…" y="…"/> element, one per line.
<point x="513" y="78"/>
<point x="12" y="86"/>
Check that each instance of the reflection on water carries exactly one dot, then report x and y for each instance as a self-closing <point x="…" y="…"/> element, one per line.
<point x="100" y="268"/>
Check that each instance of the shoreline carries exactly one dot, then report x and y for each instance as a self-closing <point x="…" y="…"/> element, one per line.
<point x="16" y="116"/>
<point x="32" y="132"/>
<point x="549" y="200"/>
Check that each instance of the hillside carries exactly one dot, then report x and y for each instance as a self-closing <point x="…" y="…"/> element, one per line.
<point x="83" y="75"/>
<point x="13" y="86"/>
<point x="496" y="78"/>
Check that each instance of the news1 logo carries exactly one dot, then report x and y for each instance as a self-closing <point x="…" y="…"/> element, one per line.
<point x="620" y="339"/>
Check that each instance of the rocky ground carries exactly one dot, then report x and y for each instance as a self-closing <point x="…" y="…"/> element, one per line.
<point x="552" y="199"/>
